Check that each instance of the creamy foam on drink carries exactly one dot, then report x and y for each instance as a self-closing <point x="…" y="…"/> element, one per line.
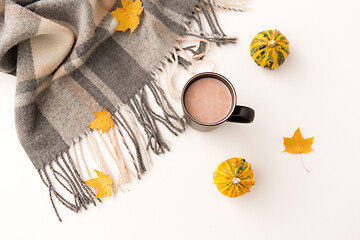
<point x="208" y="100"/>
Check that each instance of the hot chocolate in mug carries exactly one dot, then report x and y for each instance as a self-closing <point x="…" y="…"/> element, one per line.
<point x="209" y="99"/>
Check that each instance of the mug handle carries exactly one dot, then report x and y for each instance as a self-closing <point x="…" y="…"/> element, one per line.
<point x="242" y="114"/>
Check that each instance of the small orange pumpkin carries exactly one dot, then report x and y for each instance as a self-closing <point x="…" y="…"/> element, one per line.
<point x="234" y="177"/>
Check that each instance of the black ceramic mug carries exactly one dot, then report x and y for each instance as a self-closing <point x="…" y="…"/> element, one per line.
<point x="209" y="99"/>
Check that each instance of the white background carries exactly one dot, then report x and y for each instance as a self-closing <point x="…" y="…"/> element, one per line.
<point x="317" y="89"/>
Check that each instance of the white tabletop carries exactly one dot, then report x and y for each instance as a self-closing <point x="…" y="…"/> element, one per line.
<point x="317" y="89"/>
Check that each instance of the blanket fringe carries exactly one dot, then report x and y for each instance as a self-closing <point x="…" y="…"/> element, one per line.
<point x="165" y="75"/>
<point x="64" y="174"/>
<point x="132" y="121"/>
<point x="217" y="35"/>
<point x="147" y="117"/>
<point x="231" y="5"/>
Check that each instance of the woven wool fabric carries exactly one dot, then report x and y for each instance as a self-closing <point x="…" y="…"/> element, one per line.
<point x="69" y="62"/>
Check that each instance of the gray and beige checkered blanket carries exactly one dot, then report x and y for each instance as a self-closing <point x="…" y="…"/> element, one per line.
<point x="70" y="62"/>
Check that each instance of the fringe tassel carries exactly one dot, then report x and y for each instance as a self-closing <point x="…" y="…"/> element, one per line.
<point x="113" y="135"/>
<point x="165" y="75"/>
<point x="217" y="35"/>
<point x="172" y="120"/>
<point x="139" y="108"/>
<point x="96" y="154"/>
<point x="231" y="5"/>
<point x="122" y="124"/>
<point x="78" y="153"/>
<point x="68" y="178"/>
<point x="137" y="137"/>
<point x="124" y="176"/>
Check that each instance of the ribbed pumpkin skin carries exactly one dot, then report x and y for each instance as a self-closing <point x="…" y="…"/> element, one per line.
<point x="269" y="49"/>
<point x="230" y="170"/>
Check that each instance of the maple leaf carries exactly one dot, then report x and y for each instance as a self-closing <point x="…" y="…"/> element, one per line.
<point x="297" y="144"/>
<point x="128" y="15"/>
<point x="103" y="184"/>
<point x="102" y="121"/>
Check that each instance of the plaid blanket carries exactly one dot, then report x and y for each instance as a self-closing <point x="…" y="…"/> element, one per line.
<point x="70" y="62"/>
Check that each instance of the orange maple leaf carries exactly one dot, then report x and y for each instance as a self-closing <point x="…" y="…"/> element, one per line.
<point x="102" y="121"/>
<point x="128" y="15"/>
<point x="297" y="144"/>
<point x="103" y="184"/>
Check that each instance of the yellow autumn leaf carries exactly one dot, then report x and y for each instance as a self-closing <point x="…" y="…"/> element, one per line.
<point x="297" y="144"/>
<point x="102" y="121"/>
<point x="103" y="184"/>
<point x="128" y="15"/>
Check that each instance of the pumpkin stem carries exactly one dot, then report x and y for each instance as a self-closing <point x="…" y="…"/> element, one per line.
<point x="272" y="43"/>
<point x="235" y="180"/>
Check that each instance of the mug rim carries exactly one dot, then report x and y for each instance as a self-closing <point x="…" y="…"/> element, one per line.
<point x="216" y="76"/>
